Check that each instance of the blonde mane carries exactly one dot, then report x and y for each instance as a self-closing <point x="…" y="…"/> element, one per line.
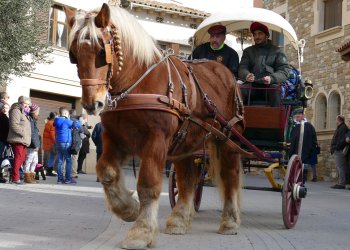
<point x="134" y="38"/>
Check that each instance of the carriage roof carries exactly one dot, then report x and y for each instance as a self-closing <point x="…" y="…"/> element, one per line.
<point x="241" y="18"/>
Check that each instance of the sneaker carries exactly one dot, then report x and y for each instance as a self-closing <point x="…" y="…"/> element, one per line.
<point x="81" y="172"/>
<point x="337" y="186"/>
<point x="72" y="181"/>
<point x="17" y="182"/>
<point x="75" y="176"/>
<point x="314" y="179"/>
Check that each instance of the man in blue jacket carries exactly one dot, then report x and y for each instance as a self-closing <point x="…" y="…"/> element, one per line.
<point x="64" y="127"/>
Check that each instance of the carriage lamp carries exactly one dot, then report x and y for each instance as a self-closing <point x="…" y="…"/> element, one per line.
<point x="309" y="90"/>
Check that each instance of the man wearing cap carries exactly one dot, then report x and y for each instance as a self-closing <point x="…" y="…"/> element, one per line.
<point x="217" y="50"/>
<point x="309" y="141"/>
<point x="19" y="134"/>
<point x="263" y="65"/>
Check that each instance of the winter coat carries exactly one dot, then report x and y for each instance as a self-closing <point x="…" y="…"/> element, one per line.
<point x="309" y="142"/>
<point x="264" y="60"/>
<point x="4" y="127"/>
<point x="49" y="135"/>
<point x="85" y="146"/>
<point x="64" y="127"/>
<point x="97" y="137"/>
<point x="19" y="126"/>
<point x="338" y="141"/>
<point x="227" y="56"/>
<point x="35" y="138"/>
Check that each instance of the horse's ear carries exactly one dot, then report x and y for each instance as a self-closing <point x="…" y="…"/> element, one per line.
<point x="103" y="17"/>
<point x="70" y="16"/>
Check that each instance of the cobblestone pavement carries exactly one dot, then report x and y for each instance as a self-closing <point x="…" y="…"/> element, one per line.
<point x="51" y="216"/>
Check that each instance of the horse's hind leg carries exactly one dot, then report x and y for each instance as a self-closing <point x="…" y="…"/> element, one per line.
<point x="229" y="183"/>
<point x="187" y="176"/>
<point x="120" y="200"/>
<point x="149" y="186"/>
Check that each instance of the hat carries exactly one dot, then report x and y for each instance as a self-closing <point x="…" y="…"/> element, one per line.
<point x="298" y="111"/>
<point x="34" y="108"/>
<point x="217" y="29"/>
<point x="259" y="26"/>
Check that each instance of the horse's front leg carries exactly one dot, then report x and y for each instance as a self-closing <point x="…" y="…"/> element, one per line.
<point x="120" y="200"/>
<point x="230" y="186"/>
<point x="143" y="232"/>
<point x="187" y="177"/>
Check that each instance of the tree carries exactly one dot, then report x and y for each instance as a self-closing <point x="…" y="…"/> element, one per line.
<point x="23" y="36"/>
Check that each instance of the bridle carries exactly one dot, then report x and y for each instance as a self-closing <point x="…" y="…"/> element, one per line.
<point x="111" y="47"/>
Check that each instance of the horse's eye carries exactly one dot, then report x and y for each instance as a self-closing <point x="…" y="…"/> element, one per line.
<point x="102" y="53"/>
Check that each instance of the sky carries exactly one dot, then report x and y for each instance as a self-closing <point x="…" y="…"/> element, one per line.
<point x="211" y="6"/>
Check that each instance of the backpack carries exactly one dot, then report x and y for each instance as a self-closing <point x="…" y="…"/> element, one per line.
<point x="76" y="141"/>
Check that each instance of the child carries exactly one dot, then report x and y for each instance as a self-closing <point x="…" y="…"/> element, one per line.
<point x="32" y="150"/>
<point x="39" y="168"/>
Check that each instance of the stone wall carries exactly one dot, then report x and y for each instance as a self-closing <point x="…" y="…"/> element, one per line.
<point x="323" y="65"/>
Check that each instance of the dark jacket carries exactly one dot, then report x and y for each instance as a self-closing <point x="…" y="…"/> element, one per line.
<point x="264" y="60"/>
<point x="338" y="140"/>
<point x="4" y="127"/>
<point x="309" y="142"/>
<point x="227" y="56"/>
<point x="35" y="141"/>
<point x="85" y="146"/>
<point x="97" y="137"/>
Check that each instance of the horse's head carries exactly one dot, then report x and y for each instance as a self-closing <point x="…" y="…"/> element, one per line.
<point x="92" y="48"/>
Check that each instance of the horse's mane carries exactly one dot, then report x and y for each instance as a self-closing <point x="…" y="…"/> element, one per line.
<point x="134" y="38"/>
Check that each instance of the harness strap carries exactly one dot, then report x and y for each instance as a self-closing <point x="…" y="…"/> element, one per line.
<point x="221" y="136"/>
<point x="92" y="82"/>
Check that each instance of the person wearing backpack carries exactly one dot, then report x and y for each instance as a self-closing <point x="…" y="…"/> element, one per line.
<point x="64" y="127"/>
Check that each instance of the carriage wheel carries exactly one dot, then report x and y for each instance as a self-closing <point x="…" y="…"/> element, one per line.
<point x="293" y="191"/>
<point x="173" y="192"/>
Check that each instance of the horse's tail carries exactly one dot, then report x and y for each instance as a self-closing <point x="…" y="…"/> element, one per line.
<point x="215" y="169"/>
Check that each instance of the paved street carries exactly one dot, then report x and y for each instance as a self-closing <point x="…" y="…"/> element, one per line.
<point x="51" y="216"/>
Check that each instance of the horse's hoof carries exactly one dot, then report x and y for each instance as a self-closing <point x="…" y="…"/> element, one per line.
<point x="227" y="228"/>
<point x="175" y="226"/>
<point x="138" y="238"/>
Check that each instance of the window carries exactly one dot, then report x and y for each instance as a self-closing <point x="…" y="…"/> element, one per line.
<point x="321" y="112"/>
<point x="332" y="13"/>
<point x="58" y="32"/>
<point x="333" y="109"/>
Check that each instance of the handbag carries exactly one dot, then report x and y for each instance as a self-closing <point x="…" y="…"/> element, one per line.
<point x="345" y="150"/>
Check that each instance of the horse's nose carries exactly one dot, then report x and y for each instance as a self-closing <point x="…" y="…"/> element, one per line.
<point x="99" y="105"/>
<point x="95" y="108"/>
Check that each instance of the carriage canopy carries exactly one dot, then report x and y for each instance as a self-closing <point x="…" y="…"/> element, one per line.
<point x="242" y="18"/>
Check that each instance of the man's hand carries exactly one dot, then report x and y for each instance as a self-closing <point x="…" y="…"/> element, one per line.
<point x="266" y="80"/>
<point x="250" y="77"/>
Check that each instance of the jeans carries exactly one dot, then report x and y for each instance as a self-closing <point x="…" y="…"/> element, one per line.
<point x="63" y="154"/>
<point x="340" y="163"/>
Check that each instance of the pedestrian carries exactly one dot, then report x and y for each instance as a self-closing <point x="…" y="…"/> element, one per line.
<point x="49" y="141"/>
<point x="4" y="130"/>
<point x="347" y="169"/>
<point x="73" y="116"/>
<point x="309" y="141"/>
<point x="64" y="127"/>
<point x="97" y="139"/>
<point x="4" y="97"/>
<point x="337" y="145"/>
<point x="32" y="150"/>
<point x="19" y="134"/>
<point x="85" y="146"/>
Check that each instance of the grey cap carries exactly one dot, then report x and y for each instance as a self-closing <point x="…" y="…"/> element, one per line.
<point x="24" y="99"/>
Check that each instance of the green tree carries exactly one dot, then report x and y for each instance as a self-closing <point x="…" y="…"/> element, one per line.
<point x="23" y="36"/>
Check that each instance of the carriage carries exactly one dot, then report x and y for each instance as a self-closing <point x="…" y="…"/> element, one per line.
<point x="155" y="106"/>
<point x="267" y="128"/>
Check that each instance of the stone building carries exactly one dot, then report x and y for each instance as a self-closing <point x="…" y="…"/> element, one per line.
<point x="325" y="25"/>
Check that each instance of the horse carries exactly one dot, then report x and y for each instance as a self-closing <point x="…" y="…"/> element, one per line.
<point x="154" y="106"/>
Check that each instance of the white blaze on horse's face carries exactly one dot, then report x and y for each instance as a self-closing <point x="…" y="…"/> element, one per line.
<point x="87" y="50"/>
